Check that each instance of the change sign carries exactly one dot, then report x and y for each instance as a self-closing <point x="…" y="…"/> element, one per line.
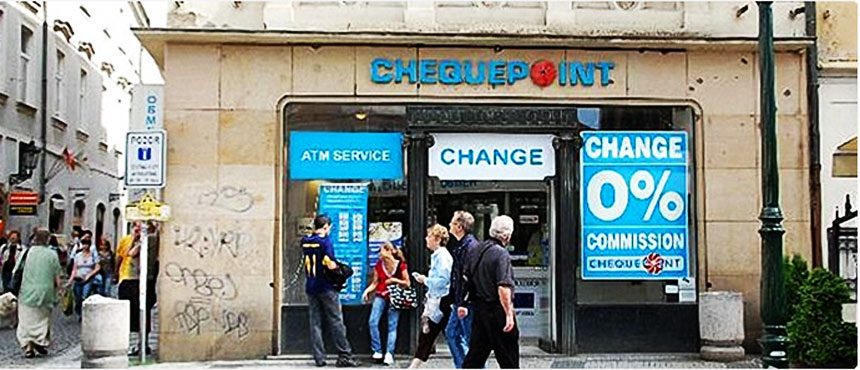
<point x="634" y="205"/>
<point x="145" y="159"/>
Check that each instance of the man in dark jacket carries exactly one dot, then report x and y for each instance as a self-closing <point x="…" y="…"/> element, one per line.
<point x="323" y="300"/>
<point x="459" y="328"/>
<point x="490" y="281"/>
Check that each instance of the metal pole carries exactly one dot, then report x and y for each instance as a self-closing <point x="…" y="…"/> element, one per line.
<point x="774" y="341"/>
<point x="144" y="248"/>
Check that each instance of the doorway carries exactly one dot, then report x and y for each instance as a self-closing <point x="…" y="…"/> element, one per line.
<point x="528" y="203"/>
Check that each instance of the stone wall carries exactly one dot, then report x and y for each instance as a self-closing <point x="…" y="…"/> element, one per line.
<point x="221" y="251"/>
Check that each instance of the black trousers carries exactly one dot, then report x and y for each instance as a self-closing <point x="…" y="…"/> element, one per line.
<point x="488" y="335"/>
<point x="129" y="290"/>
<point x="427" y="341"/>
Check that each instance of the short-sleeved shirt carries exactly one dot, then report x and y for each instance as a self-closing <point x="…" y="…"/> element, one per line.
<point x="493" y="271"/>
<point x="129" y="267"/>
<point x="317" y="251"/>
<point x="40" y="272"/>
<point x="85" y="264"/>
<point x="382" y="276"/>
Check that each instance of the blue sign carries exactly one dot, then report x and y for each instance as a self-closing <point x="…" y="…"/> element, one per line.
<point x="634" y="197"/>
<point x="346" y="205"/>
<point x="318" y="155"/>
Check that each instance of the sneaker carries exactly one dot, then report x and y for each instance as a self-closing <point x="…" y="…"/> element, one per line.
<point x="320" y="363"/>
<point x="389" y="359"/>
<point x="347" y="362"/>
<point x="377" y="357"/>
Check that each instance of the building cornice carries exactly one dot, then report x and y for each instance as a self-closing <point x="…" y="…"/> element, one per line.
<point x="154" y="40"/>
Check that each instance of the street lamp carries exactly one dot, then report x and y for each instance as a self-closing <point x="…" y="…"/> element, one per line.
<point x="774" y="341"/>
<point x="28" y="159"/>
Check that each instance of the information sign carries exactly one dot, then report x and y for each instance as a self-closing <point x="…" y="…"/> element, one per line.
<point x="634" y="196"/>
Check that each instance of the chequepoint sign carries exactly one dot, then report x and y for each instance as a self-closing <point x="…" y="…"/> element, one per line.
<point x="542" y="72"/>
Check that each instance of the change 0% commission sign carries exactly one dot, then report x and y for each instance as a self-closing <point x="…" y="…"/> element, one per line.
<point x="634" y="191"/>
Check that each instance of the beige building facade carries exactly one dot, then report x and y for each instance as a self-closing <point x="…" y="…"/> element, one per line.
<point x="226" y="271"/>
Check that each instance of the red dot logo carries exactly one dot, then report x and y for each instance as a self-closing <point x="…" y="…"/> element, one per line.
<point x="653" y="263"/>
<point x="543" y="73"/>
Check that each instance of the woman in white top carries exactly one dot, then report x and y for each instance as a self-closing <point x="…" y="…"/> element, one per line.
<point x="85" y="271"/>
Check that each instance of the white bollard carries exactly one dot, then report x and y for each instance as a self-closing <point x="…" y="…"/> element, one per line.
<point x="104" y="333"/>
<point x="721" y="326"/>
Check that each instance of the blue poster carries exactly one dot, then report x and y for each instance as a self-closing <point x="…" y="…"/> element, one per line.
<point x="346" y="205"/>
<point x="634" y="198"/>
<point x="320" y="155"/>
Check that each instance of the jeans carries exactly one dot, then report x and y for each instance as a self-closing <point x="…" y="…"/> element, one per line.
<point x="458" y="333"/>
<point x="104" y="287"/>
<point x="326" y="307"/>
<point x="82" y="291"/>
<point x="379" y="305"/>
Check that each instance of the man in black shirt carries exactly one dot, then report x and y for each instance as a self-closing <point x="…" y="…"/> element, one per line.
<point x="490" y="280"/>
<point x="459" y="327"/>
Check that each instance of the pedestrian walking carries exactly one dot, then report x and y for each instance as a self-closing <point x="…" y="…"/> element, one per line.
<point x="40" y="284"/>
<point x="490" y="280"/>
<point x="106" y="263"/>
<point x="323" y="300"/>
<point x="459" y="328"/>
<point x="390" y="269"/>
<point x="437" y="304"/>
<point x="85" y="278"/>
<point x="9" y="255"/>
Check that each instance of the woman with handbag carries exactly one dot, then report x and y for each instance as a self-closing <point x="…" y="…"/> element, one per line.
<point x="85" y="274"/>
<point x="390" y="271"/>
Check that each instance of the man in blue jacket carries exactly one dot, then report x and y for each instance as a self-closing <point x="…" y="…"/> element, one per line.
<point x="459" y="327"/>
<point x="323" y="300"/>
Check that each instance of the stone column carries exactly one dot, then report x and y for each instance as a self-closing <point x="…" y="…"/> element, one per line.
<point x="104" y="333"/>
<point x="721" y="326"/>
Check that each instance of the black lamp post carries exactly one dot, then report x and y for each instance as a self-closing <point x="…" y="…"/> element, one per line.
<point x="28" y="160"/>
<point x="774" y="341"/>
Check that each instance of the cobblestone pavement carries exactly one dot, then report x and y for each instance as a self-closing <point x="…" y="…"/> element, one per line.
<point x="66" y="335"/>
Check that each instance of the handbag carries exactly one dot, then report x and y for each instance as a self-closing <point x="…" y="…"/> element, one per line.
<point x="338" y="276"/>
<point x="68" y="302"/>
<point x="402" y="298"/>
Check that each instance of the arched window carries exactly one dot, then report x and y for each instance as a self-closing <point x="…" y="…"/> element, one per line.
<point x="57" y="214"/>
<point x="78" y="216"/>
<point x="100" y="223"/>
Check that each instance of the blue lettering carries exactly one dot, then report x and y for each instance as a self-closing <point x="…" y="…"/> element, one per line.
<point x="497" y="72"/>
<point x="517" y="70"/>
<point x="447" y="151"/>
<point x="500" y="157"/>
<point x="604" y="72"/>
<point x="536" y="156"/>
<point x="450" y="72"/>
<point x="483" y="156"/>
<point x="581" y="74"/>
<point x="467" y="71"/>
<point x="467" y="155"/>
<point x="427" y="71"/>
<point x="518" y="157"/>
<point x="410" y="70"/>
<point x="375" y="66"/>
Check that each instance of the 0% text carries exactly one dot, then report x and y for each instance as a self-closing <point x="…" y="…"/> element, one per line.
<point x="641" y="186"/>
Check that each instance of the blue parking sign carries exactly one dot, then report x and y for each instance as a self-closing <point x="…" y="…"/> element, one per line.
<point x="635" y="212"/>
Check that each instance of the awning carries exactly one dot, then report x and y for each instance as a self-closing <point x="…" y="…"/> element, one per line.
<point x="845" y="159"/>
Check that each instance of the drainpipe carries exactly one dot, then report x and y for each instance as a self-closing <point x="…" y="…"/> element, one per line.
<point x="814" y="134"/>
<point x="44" y="106"/>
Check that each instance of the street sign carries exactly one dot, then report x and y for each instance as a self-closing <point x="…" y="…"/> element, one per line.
<point x="147" y="209"/>
<point x="145" y="159"/>
<point x="24" y="198"/>
<point x="635" y="210"/>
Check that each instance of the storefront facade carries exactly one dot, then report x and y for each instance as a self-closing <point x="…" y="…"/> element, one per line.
<point x="232" y="284"/>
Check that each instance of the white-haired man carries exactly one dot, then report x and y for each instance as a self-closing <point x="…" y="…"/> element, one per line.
<point x="490" y="281"/>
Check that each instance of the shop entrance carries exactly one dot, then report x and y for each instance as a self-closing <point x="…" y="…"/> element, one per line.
<point x="529" y="204"/>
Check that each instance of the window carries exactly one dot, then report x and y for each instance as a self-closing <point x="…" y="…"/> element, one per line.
<point x="82" y="99"/>
<point x="24" y="65"/>
<point x="59" y="73"/>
